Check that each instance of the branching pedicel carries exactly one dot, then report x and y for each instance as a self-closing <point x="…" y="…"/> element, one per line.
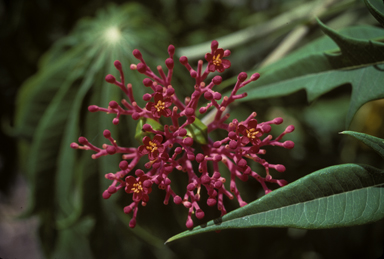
<point x="173" y="147"/>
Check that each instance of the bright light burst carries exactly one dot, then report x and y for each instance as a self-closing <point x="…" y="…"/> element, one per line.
<point x="112" y="34"/>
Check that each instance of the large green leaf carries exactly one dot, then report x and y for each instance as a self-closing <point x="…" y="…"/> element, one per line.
<point x="337" y="196"/>
<point x="352" y="57"/>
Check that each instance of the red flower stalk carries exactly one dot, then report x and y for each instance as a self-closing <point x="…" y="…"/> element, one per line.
<point x="170" y="147"/>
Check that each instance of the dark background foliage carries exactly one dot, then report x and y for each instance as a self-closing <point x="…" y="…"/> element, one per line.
<point x="29" y="28"/>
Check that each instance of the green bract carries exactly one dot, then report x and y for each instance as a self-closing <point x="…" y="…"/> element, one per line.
<point x="140" y="134"/>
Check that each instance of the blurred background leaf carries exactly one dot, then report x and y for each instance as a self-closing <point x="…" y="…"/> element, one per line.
<point x="53" y="104"/>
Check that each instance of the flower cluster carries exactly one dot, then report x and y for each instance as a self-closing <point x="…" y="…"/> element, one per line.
<point x="176" y="147"/>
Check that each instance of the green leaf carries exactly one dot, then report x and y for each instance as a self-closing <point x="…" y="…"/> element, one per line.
<point x="376" y="7"/>
<point x="198" y="131"/>
<point x="320" y="67"/>
<point x="375" y="143"/>
<point x="353" y="52"/>
<point x="337" y="196"/>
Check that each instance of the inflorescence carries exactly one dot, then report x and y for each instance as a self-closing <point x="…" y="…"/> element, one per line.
<point x="172" y="148"/>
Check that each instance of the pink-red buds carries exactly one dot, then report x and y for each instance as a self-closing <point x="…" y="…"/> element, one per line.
<point x="217" y="80"/>
<point x="183" y="60"/>
<point x="123" y="165"/>
<point x="117" y="65"/>
<point x="107" y="133"/>
<point x="242" y="76"/>
<point x="110" y="79"/>
<point x="93" y="108"/>
<point x="255" y="76"/>
<point x="141" y="68"/>
<point x="169" y="63"/>
<point x="137" y="54"/>
<point x="171" y="50"/>
<point x="289" y="144"/>
<point x="147" y="82"/>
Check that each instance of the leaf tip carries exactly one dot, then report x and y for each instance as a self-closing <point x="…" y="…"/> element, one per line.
<point x="169" y="240"/>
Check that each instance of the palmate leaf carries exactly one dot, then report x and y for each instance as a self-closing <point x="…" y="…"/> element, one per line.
<point x="337" y="196"/>
<point x="52" y="111"/>
<point x="352" y="57"/>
